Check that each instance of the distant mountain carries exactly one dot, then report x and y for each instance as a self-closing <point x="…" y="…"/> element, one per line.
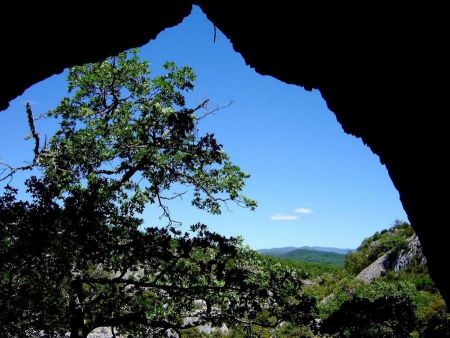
<point x="285" y="250"/>
<point x="328" y="249"/>
<point x="308" y="255"/>
<point x="277" y="251"/>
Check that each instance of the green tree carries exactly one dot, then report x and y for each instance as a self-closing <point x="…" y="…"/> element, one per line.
<point x="437" y="326"/>
<point x="389" y="316"/>
<point x="75" y="255"/>
<point x="378" y="309"/>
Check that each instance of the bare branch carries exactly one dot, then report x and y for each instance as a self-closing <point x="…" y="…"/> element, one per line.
<point x="210" y="112"/>
<point x="203" y="104"/>
<point x="34" y="134"/>
<point x="140" y="318"/>
<point x="174" y="196"/>
<point x="171" y="287"/>
<point x="166" y="212"/>
<point x="12" y="170"/>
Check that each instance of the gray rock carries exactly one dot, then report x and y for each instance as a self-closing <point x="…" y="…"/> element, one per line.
<point x="102" y="332"/>
<point x="374" y="270"/>
<point x="412" y="254"/>
<point x="401" y="261"/>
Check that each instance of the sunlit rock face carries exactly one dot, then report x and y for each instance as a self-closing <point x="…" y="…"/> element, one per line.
<point x="374" y="270"/>
<point x="380" y="70"/>
<point x="397" y="261"/>
<point x="411" y="255"/>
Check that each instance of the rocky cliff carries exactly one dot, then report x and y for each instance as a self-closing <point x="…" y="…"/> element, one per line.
<point x="396" y="261"/>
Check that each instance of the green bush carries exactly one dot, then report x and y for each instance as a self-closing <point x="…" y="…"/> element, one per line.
<point x="348" y="288"/>
<point x="310" y="269"/>
<point x="387" y="316"/>
<point x="438" y="326"/>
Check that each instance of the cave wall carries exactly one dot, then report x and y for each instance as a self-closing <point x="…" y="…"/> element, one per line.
<point x="39" y="39"/>
<point x="381" y="69"/>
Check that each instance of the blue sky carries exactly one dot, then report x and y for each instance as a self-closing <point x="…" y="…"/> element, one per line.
<point x="314" y="184"/>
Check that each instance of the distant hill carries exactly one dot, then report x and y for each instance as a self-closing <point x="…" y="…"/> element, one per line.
<point x="277" y="251"/>
<point x="308" y="255"/>
<point x="328" y="249"/>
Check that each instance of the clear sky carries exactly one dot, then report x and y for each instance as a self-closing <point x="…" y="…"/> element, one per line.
<point x="314" y="184"/>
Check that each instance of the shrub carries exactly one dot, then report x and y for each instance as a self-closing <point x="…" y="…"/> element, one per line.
<point x="388" y="316"/>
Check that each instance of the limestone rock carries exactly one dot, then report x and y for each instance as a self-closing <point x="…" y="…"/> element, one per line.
<point x="374" y="270"/>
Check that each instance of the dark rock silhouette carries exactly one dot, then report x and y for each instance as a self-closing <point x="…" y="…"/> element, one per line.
<point x="380" y="67"/>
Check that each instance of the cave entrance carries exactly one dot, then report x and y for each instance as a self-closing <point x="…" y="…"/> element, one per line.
<point x="315" y="185"/>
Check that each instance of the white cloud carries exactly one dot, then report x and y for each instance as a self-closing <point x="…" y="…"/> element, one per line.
<point x="303" y="211"/>
<point x="284" y="217"/>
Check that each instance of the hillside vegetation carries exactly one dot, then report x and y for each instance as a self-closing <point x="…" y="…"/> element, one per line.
<point x="400" y="300"/>
<point x="392" y="240"/>
<point x="306" y="255"/>
<point x="316" y="256"/>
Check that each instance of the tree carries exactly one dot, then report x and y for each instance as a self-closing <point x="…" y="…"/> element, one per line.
<point x="437" y="325"/>
<point x="75" y="255"/>
<point x="390" y="316"/>
<point x="379" y="309"/>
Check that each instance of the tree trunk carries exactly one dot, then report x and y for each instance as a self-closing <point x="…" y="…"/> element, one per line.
<point x="77" y="333"/>
<point x="77" y="327"/>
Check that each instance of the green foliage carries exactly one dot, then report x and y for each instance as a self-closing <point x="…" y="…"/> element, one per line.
<point x="315" y="256"/>
<point x="134" y="136"/>
<point x="379" y="309"/>
<point x="381" y="288"/>
<point x="284" y="330"/>
<point x="410" y="290"/>
<point x="386" y="316"/>
<point x="74" y="255"/>
<point x="398" y="304"/>
<point x="356" y="261"/>
<point x="287" y="330"/>
<point x="437" y="325"/>
<point x="310" y="269"/>
<point x="402" y="228"/>
<point x="337" y="293"/>
<point x="417" y="274"/>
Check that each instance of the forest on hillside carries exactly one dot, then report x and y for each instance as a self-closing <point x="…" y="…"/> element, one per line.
<point x="310" y="255"/>
<point x="400" y="300"/>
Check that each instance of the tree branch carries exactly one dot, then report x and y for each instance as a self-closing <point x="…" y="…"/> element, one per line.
<point x="140" y="318"/>
<point x="164" y="287"/>
<point x="208" y="112"/>
<point x="34" y="134"/>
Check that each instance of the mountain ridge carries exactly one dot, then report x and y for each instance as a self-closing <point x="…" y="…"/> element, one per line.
<point x="307" y="254"/>
<point x="287" y="249"/>
<point x="316" y="256"/>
